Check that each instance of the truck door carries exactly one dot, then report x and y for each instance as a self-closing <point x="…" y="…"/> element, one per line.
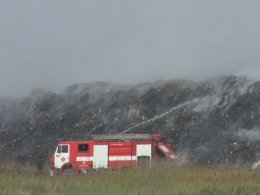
<point x="62" y="155"/>
<point x="100" y="157"/>
<point x="144" y="154"/>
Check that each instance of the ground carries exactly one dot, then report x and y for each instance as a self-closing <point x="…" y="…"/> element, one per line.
<point x="161" y="179"/>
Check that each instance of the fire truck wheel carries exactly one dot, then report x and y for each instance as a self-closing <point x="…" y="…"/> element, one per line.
<point x="69" y="172"/>
<point x="52" y="173"/>
<point x="83" y="171"/>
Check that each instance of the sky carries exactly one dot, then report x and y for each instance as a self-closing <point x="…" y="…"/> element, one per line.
<point x="55" y="43"/>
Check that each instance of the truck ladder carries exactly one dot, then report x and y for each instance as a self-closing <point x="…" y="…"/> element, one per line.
<point x="166" y="151"/>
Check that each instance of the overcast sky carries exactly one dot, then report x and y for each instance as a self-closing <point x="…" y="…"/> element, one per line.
<point x="54" y="43"/>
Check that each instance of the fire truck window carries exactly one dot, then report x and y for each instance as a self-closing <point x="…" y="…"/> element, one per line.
<point x="59" y="149"/>
<point x="83" y="148"/>
<point x="64" y="149"/>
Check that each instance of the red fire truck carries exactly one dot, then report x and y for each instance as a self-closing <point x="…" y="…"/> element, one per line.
<point x="109" y="151"/>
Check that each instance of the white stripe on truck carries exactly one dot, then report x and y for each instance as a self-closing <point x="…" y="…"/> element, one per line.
<point x="121" y="158"/>
<point x="84" y="158"/>
<point x="111" y="158"/>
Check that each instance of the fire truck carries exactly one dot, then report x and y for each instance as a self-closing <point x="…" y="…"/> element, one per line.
<point x="109" y="151"/>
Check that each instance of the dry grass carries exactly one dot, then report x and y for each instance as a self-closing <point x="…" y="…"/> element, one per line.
<point x="161" y="179"/>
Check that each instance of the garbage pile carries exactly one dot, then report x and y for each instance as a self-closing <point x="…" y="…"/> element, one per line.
<point x="212" y="122"/>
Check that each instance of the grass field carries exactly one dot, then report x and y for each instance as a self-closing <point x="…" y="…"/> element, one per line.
<point x="160" y="180"/>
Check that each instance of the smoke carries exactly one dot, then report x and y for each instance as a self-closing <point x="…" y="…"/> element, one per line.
<point x="251" y="72"/>
<point x="207" y="103"/>
<point x="251" y="135"/>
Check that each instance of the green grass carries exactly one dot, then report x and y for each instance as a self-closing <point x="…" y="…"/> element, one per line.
<point x="159" y="180"/>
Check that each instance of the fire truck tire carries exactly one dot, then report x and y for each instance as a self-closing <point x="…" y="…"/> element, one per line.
<point x="83" y="171"/>
<point x="69" y="172"/>
<point x="52" y="173"/>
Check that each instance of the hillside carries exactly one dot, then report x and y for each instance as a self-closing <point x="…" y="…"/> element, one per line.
<point x="212" y="122"/>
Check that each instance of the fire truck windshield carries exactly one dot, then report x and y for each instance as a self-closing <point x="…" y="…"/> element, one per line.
<point x="59" y="149"/>
<point x="64" y="149"/>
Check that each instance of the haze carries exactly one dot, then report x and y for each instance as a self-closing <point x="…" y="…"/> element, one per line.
<point x="54" y="43"/>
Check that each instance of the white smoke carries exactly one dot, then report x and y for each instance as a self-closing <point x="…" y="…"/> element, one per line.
<point x="252" y="135"/>
<point x="207" y="103"/>
<point x="252" y="72"/>
<point x="225" y="94"/>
